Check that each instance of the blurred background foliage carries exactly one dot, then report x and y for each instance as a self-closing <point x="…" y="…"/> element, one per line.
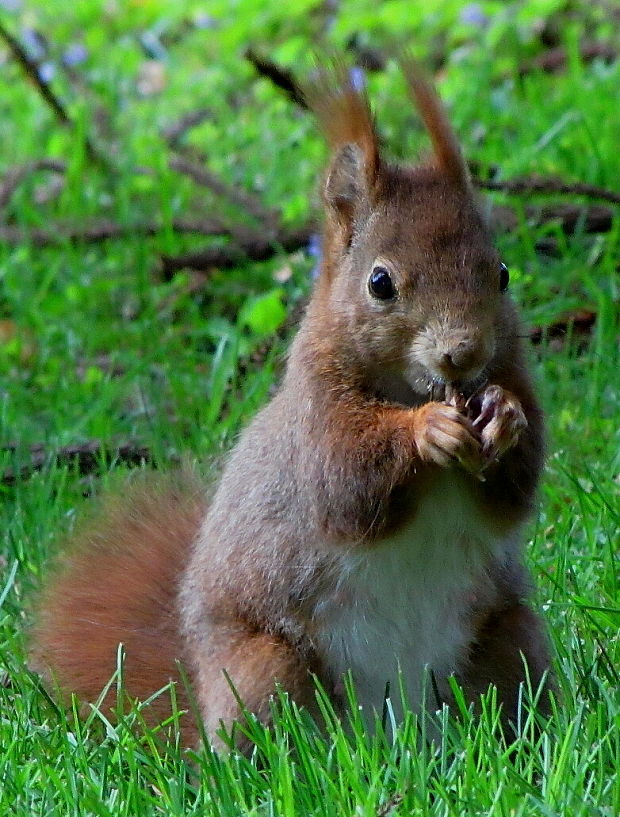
<point x="529" y="87"/>
<point x="126" y="340"/>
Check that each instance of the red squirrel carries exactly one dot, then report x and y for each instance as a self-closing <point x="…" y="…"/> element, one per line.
<point x="368" y="519"/>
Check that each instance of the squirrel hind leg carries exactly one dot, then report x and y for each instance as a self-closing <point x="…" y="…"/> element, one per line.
<point x="256" y="664"/>
<point x="507" y="641"/>
<point x="117" y="583"/>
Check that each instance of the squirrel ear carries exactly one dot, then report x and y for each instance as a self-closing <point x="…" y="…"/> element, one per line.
<point x="446" y="147"/>
<point x="345" y="189"/>
<point x="344" y="115"/>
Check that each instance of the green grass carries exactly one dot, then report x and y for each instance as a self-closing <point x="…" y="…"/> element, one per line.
<point x="96" y="345"/>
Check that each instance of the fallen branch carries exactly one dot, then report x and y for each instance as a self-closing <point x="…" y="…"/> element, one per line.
<point x="249" y="243"/>
<point x="16" y="175"/>
<point x="255" y="248"/>
<point x="31" y="69"/>
<point x="556" y="59"/>
<point x="368" y="57"/>
<point x="580" y="321"/>
<point x="540" y="184"/>
<point x="104" y="230"/>
<point x="592" y="218"/>
<point x="86" y="457"/>
<point x="174" y="133"/>
<point x="203" y="176"/>
<point x="281" y="77"/>
<point x="244" y="243"/>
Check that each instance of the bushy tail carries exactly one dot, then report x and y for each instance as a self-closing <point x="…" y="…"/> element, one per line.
<point x="117" y="582"/>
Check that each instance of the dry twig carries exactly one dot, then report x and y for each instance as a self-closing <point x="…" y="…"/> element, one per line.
<point x="577" y="321"/>
<point x="203" y="176"/>
<point x="556" y="59"/>
<point x="104" y="230"/>
<point x="31" y="69"/>
<point x="16" y="175"/>
<point x="281" y="77"/>
<point x="592" y="218"/>
<point x="254" y="248"/>
<point x="87" y="457"/>
<point x="175" y="132"/>
<point x="540" y="184"/>
<point x="243" y="244"/>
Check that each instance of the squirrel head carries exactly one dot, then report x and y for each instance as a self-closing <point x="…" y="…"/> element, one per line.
<point x="411" y="294"/>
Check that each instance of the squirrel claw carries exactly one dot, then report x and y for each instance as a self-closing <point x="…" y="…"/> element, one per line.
<point x="496" y="417"/>
<point x="500" y="423"/>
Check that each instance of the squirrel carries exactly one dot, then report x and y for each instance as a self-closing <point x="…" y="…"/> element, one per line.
<point x="368" y="519"/>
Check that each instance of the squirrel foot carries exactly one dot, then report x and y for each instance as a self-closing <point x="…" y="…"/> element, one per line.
<point x="444" y="434"/>
<point x="499" y="421"/>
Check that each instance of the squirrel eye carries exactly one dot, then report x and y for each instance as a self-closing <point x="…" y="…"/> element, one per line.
<point x="380" y="284"/>
<point x="504" y="277"/>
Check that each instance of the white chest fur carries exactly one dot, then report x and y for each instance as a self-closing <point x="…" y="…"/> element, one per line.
<point x="403" y="603"/>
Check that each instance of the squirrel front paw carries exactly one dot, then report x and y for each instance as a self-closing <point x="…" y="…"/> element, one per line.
<point x="499" y="419"/>
<point x="444" y="435"/>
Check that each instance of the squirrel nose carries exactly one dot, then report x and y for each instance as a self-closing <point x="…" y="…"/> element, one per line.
<point x="460" y="361"/>
<point x="460" y="357"/>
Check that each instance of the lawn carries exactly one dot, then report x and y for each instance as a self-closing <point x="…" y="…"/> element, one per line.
<point x="142" y="320"/>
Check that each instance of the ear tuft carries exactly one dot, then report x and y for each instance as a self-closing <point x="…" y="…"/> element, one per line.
<point x="446" y="146"/>
<point x="344" y="116"/>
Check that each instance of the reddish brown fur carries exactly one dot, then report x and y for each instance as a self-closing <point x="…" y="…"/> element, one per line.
<point x="345" y="118"/>
<point x="246" y="655"/>
<point x="506" y="638"/>
<point x="344" y="115"/>
<point x="360" y="436"/>
<point x="117" y="583"/>
<point x="446" y="147"/>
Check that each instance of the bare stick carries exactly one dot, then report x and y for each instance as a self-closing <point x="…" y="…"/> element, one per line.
<point x="174" y="133"/>
<point x="104" y="230"/>
<point x="31" y="69"/>
<point x="556" y="59"/>
<point x="281" y="77"/>
<point x="591" y="218"/>
<point x="243" y="244"/>
<point x="579" y="321"/>
<point x="203" y="176"/>
<point x="16" y="175"/>
<point x="255" y="248"/>
<point x="594" y="218"/>
<point x="86" y="456"/>
<point x="540" y="184"/>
